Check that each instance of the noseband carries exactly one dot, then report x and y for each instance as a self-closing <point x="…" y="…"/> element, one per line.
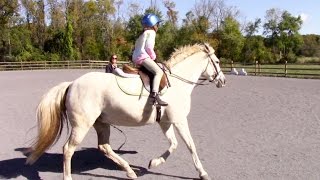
<point x="217" y="74"/>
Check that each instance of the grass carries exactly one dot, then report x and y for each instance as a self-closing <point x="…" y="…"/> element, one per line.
<point x="293" y="70"/>
<point x="304" y="60"/>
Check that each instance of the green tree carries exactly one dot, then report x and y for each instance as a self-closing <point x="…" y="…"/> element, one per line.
<point x="186" y="31"/>
<point x="215" y="11"/>
<point x="35" y="17"/>
<point x="56" y="44"/>
<point x="195" y="30"/>
<point x="120" y="45"/>
<point x="56" y="16"/>
<point x="165" y="44"/>
<point x="272" y="19"/>
<point x="311" y="46"/>
<point x="282" y="30"/>
<point x="231" y="40"/>
<point x="252" y="27"/>
<point x="255" y="50"/>
<point x="290" y="39"/>
<point x="168" y="32"/>
<point x="68" y="41"/>
<point x="40" y="24"/>
<point x="8" y="10"/>
<point x="134" y="27"/>
<point x="22" y="48"/>
<point x="171" y="12"/>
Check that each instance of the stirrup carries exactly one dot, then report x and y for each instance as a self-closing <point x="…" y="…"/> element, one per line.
<point x="155" y="100"/>
<point x="161" y="102"/>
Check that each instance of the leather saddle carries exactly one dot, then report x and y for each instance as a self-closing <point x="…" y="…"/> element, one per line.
<point x="146" y="76"/>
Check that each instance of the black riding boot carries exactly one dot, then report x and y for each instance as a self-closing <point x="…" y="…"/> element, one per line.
<point x="155" y="97"/>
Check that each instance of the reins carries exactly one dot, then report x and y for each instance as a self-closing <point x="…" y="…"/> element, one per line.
<point x="125" y="140"/>
<point x="186" y="80"/>
<point x="165" y="69"/>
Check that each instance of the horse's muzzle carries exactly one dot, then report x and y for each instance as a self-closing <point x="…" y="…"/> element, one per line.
<point x="221" y="82"/>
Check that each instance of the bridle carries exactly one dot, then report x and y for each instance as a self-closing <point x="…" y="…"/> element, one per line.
<point x="215" y="77"/>
<point x="218" y="73"/>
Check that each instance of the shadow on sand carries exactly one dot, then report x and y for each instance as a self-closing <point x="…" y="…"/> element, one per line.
<point x="83" y="160"/>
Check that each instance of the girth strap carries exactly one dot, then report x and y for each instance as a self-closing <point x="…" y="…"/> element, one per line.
<point x="158" y="115"/>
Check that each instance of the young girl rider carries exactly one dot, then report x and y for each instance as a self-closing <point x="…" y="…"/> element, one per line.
<point x="144" y="54"/>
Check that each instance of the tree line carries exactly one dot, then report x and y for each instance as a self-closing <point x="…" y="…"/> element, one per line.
<point x="34" y="30"/>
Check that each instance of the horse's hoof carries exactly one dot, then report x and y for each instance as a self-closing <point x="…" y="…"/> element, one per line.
<point x="150" y="166"/>
<point x="132" y="175"/>
<point x="67" y="178"/>
<point x="153" y="164"/>
<point x="205" y="177"/>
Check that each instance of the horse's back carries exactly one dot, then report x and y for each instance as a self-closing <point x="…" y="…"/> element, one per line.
<point x="86" y="93"/>
<point x="93" y="77"/>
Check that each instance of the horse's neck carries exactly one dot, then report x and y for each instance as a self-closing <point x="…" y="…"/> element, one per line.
<point x="190" y="69"/>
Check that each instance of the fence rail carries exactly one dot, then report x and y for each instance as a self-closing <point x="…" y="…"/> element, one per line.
<point x="282" y="70"/>
<point x="285" y="70"/>
<point x="37" y="65"/>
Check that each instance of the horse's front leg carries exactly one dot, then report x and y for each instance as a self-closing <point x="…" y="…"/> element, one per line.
<point x="168" y="131"/>
<point x="183" y="129"/>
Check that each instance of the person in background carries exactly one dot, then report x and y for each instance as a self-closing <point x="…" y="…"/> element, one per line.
<point x="144" y="55"/>
<point x="112" y="64"/>
<point x="112" y="67"/>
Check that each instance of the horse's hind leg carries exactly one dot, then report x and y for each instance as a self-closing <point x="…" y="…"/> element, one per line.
<point x="76" y="137"/>
<point x="183" y="129"/>
<point x="103" y="132"/>
<point x="167" y="129"/>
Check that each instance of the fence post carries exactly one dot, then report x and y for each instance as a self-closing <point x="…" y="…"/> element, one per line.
<point x="231" y="65"/>
<point x="255" y="68"/>
<point x="285" y="69"/>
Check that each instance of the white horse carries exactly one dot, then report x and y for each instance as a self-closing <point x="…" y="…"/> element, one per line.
<point x="95" y="99"/>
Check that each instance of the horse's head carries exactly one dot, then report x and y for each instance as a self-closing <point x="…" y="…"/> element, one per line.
<point x="213" y="72"/>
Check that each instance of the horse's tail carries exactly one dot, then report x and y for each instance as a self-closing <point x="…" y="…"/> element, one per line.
<point x="51" y="113"/>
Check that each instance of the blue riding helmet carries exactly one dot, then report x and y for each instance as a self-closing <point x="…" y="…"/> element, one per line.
<point x="150" y="20"/>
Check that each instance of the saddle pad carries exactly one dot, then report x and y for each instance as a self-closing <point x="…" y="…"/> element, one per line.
<point x="134" y="86"/>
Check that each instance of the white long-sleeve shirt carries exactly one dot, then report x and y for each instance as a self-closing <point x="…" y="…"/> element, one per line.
<point x="119" y="72"/>
<point x="144" y="47"/>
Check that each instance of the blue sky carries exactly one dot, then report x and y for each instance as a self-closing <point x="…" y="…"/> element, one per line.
<point x="252" y="9"/>
<point x="307" y="9"/>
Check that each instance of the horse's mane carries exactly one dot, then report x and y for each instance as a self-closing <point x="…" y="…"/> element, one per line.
<point x="183" y="52"/>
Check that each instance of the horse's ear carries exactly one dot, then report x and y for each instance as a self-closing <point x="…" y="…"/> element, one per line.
<point x="206" y="45"/>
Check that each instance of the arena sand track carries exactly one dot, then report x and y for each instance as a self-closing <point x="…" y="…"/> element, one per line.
<point x="254" y="128"/>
